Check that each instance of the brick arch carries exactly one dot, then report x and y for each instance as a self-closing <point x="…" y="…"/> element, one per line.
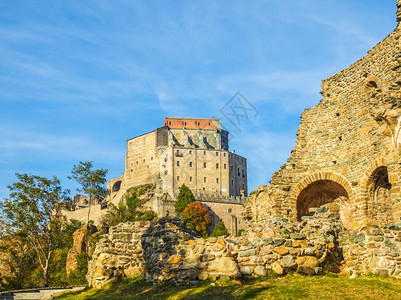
<point x="318" y="176"/>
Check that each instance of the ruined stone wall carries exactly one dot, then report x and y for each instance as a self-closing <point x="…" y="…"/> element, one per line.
<point x="166" y="250"/>
<point x="343" y="141"/>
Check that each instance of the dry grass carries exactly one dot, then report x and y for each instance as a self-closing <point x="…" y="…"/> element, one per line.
<point x="288" y="287"/>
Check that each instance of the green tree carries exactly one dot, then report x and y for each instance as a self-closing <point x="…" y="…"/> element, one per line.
<point x="32" y="209"/>
<point x="220" y="230"/>
<point x="184" y="198"/>
<point x="92" y="182"/>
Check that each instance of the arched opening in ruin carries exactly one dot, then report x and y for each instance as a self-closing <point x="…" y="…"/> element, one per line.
<point x="379" y="201"/>
<point x="116" y="186"/>
<point x="316" y="194"/>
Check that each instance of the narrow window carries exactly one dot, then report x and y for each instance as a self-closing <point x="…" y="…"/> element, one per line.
<point x="143" y="160"/>
<point x="225" y="154"/>
<point x="225" y="166"/>
<point x="204" y="179"/>
<point x="232" y="168"/>
<point x="190" y="178"/>
<point x="178" y="178"/>
<point x="217" y="165"/>
<point x="190" y="151"/>
<point x="239" y="172"/>
<point x="204" y="165"/>
<point x="217" y="153"/>
<point x="132" y="164"/>
<point x="137" y="162"/>
<point x="178" y="163"/>
<point x="151" y="158"/>
<point x="243" y="186"/>
<point x="190" y="164"/>
<point x="132" y="170"/>
<point x="204" y="152"/>
<point x="232" y="182"/>
<point x="217" y="180"/>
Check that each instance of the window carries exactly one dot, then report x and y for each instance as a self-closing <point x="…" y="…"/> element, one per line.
<point x="243" y="186"/>
<point x="217" y="153"/>
<point x="242" y="160"/>
<point x="137" y="162"/>
<point x="132" y="170"/>
<point x="190" y="164"/>
<point x="232" y="168"/>
<point x="225" y="166"/>
<point x="178" y="163"/>
<point x="204" y="165"/>
<point x="190" y="151"/>
<point x="190" y="178"/>
<point x="178" y="178"/>
<point x="217" y="180"/>
<point x="239" y="174"/>
<point x="132" y="164"/>
<point x="225" y="154"/>
<point x="151" y="158"/>
<point x="204" y="152"/>
<point x="217" y="165"/>
<point x="204" y="179"/>
<point x="232" y="182"/>
<point x="243" y="174"/>
<point x="143" y="160"/>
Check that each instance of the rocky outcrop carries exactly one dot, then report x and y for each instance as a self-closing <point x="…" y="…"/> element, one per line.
<point x="78" y="247"/>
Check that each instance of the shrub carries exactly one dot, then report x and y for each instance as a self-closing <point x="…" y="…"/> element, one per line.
<point x="220" y="230"/>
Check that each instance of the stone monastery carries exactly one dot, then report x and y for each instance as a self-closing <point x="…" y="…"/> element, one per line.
<point x="336" y="203"/>
<point x="184" y="150"/>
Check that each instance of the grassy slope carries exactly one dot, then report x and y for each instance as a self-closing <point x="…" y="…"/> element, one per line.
<point x="288" y="287"/>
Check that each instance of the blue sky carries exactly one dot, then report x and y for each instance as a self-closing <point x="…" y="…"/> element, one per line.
<point x="79" y="78"/>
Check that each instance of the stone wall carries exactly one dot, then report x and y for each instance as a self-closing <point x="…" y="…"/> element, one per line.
<point x="167" y="250"/>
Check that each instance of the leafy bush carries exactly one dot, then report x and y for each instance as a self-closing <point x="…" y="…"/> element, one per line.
<point x="197" y="217"/>
<point x="220" y="230"/>
<point x="78" y="276"/>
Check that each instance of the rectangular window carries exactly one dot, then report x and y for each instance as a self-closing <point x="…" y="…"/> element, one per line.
<point x="225" y="154"/>
<point x="204" y="152"/>
<point x="217" y="153"/>
<point x="243" y="186"/>
<point x="151" y="158"/>
<point x="190" y="151"/>
<point x="132" y="164"/>
<point x="239" y="174"/>
<point x="178" y="178"/>
<point x="232" y="182"/>
<point x="232" y="168"/>
<point x="178" y="163"/>
<point x="204" y="165"/>
<point x="204" y="179"/>
<point x="132" y="170"/>
<point x="190" y="164"/>
<point x="143" y="160"/>
<point x="225" y="166"/>
<point x="217" y="165"/>
<point x="217" y="180"/>
<point x="137" y="162"/>
<point x="243" y="174"/>
<point x="190" y="178"/>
